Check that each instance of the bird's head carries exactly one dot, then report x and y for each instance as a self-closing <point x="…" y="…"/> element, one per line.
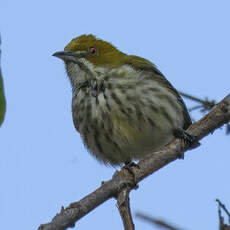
<point x="96" y="51"/>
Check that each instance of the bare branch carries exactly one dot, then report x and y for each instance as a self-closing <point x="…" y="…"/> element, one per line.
<point x="158" y="222"/>
<point x="219" y="115"/>
<point x="124" y="208"/>
<point x="222" y="225"/>
<point x="205" y="104"/>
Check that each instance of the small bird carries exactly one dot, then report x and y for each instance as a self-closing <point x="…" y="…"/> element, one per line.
<point x="122" y="105"/>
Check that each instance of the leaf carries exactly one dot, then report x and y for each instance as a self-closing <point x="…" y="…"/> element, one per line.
<point x="2" y="96"/>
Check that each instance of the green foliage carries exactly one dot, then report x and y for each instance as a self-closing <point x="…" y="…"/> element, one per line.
<point x="2" y="100"/>
<point x="2" y="97"/>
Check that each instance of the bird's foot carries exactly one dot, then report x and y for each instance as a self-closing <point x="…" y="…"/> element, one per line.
<point x="129" y="166"/>
<point x="189" y="139"/>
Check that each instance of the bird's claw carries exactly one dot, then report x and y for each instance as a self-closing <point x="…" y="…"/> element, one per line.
<point x="129" y="166"/>
<point x="191" y="140"/>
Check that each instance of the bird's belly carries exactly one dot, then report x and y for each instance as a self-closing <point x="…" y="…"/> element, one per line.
<point x="117" y="131"/>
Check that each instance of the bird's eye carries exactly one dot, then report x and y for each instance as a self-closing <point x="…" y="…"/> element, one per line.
<point x="93" y="51"/>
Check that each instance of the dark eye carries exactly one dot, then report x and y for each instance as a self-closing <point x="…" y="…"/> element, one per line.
<point x="93" y="51"/>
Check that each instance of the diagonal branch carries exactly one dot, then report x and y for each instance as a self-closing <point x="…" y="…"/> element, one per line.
<point x="218" y="116"/>
<point x="124" y="208"/>
<point x="221" y="218"/>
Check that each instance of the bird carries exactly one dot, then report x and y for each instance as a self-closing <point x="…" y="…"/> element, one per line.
<point x="123" y="107"/>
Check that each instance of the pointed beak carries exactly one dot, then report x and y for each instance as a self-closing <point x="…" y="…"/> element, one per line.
<point x="69" y="56"/>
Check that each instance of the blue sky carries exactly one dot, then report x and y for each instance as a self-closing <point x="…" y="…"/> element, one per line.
<point x="44" y="164"/>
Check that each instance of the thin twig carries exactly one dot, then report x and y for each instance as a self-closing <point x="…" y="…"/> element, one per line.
<point x="158" y="222"/>
<point x="195" y="108"/>
<point x="206" y="104"/>
<point x="221" y="205"/>
<point x="219" y="115"/>
<point x="124" y="209"/>
<point x="221" y="218"/>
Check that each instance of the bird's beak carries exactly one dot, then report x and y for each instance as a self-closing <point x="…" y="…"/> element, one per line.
<point x="69" y="56"/>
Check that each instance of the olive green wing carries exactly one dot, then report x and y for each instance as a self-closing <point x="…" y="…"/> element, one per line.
<point x="145" y="65"/>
